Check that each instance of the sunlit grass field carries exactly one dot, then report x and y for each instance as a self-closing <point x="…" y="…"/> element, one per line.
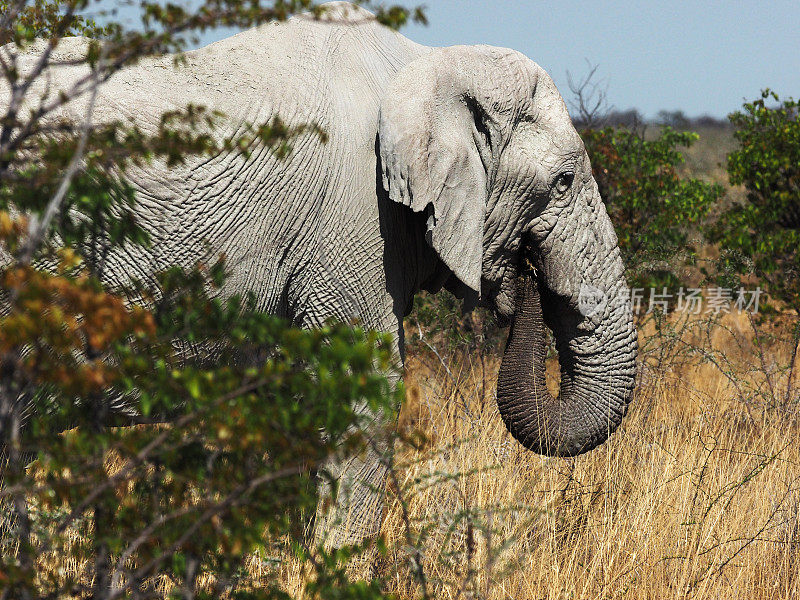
<point x="696" y="496"/>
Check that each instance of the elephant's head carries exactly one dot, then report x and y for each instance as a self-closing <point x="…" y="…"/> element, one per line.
<point x="479" y="139"/>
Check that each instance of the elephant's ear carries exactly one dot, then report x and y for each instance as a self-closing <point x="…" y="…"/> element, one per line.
<point x="437" y="147"/>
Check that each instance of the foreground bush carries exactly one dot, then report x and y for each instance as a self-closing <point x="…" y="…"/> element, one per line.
<point x="236" y="413"/>
<point x="255" y="410"/>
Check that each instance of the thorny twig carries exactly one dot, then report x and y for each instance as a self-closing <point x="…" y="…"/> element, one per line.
<point x="451" y="377"/>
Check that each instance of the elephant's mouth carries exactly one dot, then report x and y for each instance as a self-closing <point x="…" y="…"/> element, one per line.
<point x="501" y="295"/>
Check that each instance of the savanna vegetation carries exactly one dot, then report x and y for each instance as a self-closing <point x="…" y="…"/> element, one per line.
<point x="235" y="413"/>
<point x="698" y="496"/>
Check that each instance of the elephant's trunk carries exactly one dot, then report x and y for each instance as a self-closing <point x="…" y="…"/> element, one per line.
<point x="597" y="377"/>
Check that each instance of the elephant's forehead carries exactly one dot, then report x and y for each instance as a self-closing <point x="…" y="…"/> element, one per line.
<point x="545" y="121"/>
<point x="546" y="142"/>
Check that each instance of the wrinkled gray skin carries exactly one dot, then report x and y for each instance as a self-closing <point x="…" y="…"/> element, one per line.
<point x="444" y="167"/>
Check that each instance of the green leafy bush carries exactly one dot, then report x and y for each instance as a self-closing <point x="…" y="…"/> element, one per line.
<point x="760" y="236"/>
<point x="653" y="209"/>
<point x="237" y="413"/>
<point x="255" y="409"/>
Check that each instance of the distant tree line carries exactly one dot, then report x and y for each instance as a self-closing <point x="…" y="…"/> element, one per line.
<point x="676" y="119"/>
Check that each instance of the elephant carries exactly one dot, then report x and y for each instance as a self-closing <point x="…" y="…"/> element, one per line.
<point x="451" y="167"/>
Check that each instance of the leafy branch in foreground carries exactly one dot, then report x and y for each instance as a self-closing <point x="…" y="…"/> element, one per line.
<point x="238" y="412"/>
<point x="258" y="408"/>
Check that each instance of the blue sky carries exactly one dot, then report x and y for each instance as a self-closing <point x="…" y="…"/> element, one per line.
<point x="700" y="57"/>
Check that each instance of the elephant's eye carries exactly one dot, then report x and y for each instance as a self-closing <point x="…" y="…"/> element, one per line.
<point x="563" y="182"/>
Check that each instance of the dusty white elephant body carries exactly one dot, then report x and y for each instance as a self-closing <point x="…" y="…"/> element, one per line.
<point x="303" y="233"/>
<point x="442" y="166"/>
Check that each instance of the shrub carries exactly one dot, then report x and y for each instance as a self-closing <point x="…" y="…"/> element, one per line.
<point x="654" y="211"/>
<point x="255" y="409"/>
<point x="761" y="235"/>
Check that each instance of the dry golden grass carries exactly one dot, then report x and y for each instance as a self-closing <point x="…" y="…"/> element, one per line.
<point x="696" y="496"/>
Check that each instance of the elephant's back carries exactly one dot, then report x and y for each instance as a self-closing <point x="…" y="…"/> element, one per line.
<point x="273" y="218"/>
<point x="279" y="221"/>
<point x="304" y="67"/>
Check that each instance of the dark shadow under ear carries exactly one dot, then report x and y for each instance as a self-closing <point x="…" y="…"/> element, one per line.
<point x="410" y="263"/>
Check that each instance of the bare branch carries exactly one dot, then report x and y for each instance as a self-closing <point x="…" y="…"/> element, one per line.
<point x="39" y="227"/>
<point x="590" y="98"/>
